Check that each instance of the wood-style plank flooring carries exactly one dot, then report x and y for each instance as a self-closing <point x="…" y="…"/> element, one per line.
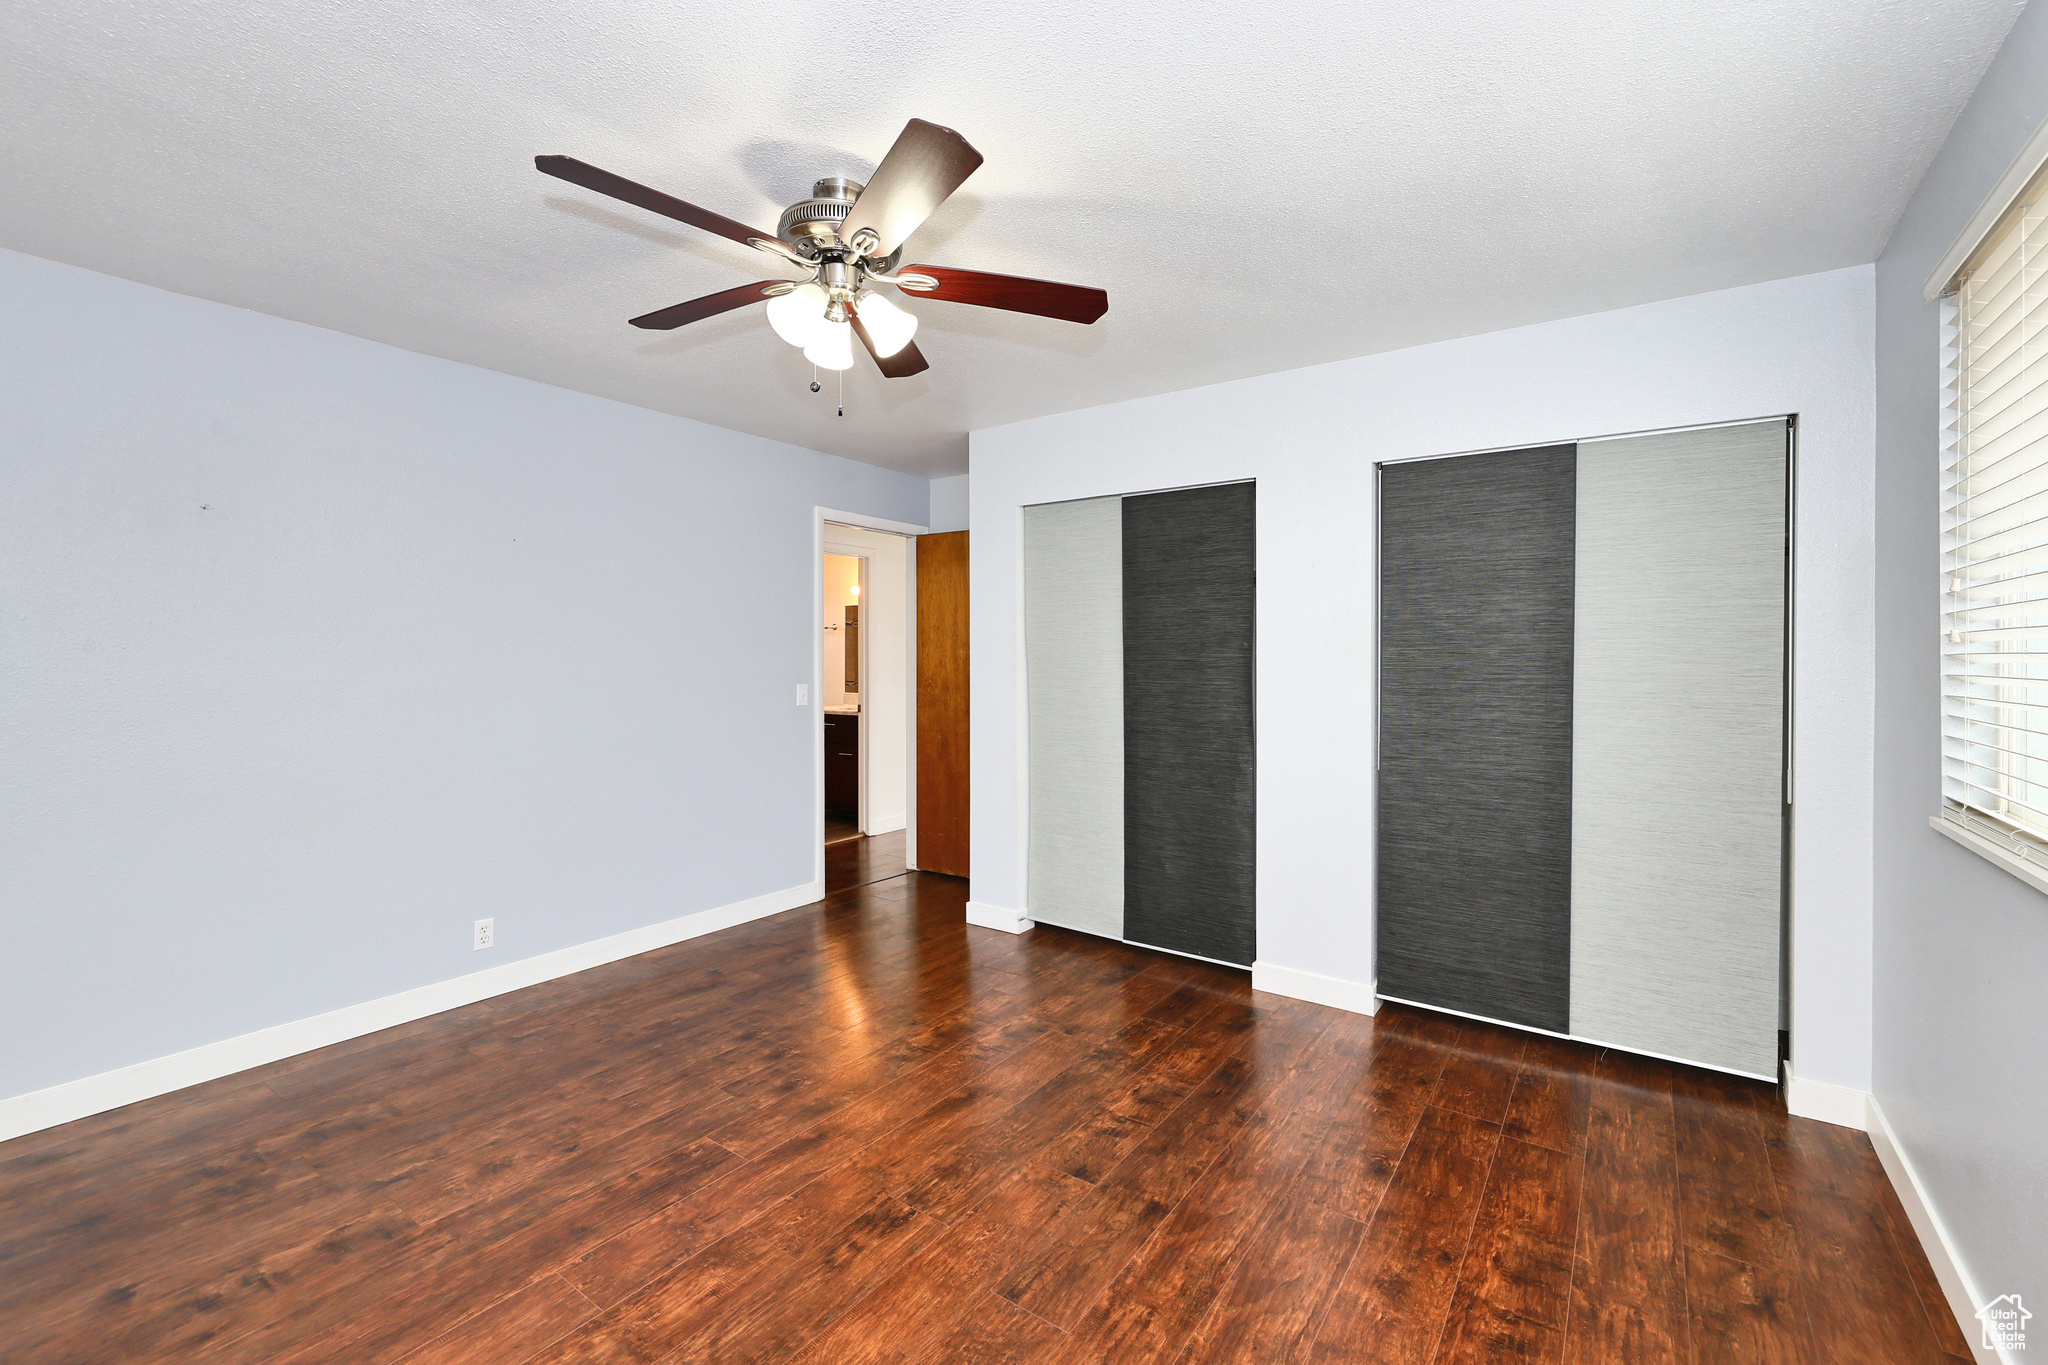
<point x="863" y="859"/>
<point x="863" y="1132"/>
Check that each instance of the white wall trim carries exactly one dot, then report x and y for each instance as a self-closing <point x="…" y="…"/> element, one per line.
<point x="112" y="1089"/>
<point x="1359" y="997"/>
<point x="1838" y="1104"/>
<point x="901" y="528"/>
<point x="886" y="701"/>
<point x="2000" y="856"/>
<point x="995" y="917"/>
<point x="910" y="703"/>
<point x="1989" y="212"/>
<point x="1964" y="1298"/>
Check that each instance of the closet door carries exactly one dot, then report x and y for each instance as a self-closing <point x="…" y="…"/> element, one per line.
<point x="1188" y="618"/>
<point x="1475" y="734"/>
<point x="1678" y="751"/>
<point x="1138" y="619"/>
<point x="1074" y="683"/>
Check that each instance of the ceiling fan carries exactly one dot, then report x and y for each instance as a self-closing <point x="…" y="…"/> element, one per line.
<point x="849" y="237"/>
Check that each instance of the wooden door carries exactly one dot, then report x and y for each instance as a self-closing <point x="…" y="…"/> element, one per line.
<point x="942" y="703"/>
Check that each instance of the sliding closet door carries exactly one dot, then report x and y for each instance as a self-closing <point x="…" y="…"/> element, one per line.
<point x="1074" y="679"/>
<point x="1475" y="771"/>
<point x="1138" y="620"/>
<point x="1188" y="589"/>
<point x="1678" y="753"/>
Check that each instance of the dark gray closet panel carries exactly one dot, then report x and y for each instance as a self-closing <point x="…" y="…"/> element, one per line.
<point x="1188" y="744"/>
<point x="1475" y="776"/>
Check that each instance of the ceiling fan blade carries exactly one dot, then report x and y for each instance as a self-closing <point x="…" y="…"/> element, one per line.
<point x="1071" y="302"/>
<point x="902" y="365"/>
<point x="926" y="164"/>
<point x="618" y="187"/>
<point x="711" y="305"/>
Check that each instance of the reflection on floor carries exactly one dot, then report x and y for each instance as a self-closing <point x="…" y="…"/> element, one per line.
<point x="856" y="862"/>
<point x="865" y="1131"/>
<point x="839" y="827"/>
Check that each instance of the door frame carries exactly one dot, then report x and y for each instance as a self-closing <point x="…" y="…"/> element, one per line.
<point x="910" y="531"/>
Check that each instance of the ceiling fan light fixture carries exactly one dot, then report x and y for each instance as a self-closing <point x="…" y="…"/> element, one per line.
<point x="832" y="348"/>
<point x="798" y="317"/>
<point x="889" y="327"/>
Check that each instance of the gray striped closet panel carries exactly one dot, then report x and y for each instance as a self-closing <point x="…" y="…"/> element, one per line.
<point x="1074" y="685"/>
<point x="1188" y="619"/>
<point x="1679" y="751"/>
<point x="1475" y="769"/>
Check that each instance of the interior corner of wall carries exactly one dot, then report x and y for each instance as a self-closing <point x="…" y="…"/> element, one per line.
<point x="1358" y="997"/>
<point x="986" y="916"/>
<point x="1958" y="1286"/>
<point x="1825" y="1101"/>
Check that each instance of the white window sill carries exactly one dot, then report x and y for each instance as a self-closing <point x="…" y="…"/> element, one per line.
<point x="2034" y="874"/>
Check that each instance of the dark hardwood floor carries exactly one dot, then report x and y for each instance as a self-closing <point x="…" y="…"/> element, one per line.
<point x="863" y="859"/>
<point x="863" y="1131"/>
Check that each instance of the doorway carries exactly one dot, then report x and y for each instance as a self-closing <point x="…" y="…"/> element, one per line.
<point x="840" y="696"/>
<point x="864" y="674"/>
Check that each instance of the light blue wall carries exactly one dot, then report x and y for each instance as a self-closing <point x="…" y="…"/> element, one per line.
<point x="1961" y="968"/>
<point x="949" y="503"/>
<point x="313" y="650"/>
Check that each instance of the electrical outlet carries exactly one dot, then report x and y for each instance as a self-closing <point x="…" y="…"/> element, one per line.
<point x="486" y="934"/>
<point x="803" y="694"/>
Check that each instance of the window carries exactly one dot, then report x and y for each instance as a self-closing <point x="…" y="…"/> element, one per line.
<point x="1994" y="653"/>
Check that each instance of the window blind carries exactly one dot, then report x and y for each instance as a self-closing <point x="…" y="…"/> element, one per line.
<point x="1994" y="653"/>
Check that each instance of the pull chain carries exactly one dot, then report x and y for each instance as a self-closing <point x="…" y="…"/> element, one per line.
<point x="842" y="393"/>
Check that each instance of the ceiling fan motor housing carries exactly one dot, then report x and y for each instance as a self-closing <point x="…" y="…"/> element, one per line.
<point x="811" y="225"/>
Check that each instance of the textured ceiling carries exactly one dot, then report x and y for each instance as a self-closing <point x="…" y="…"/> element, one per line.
<point x="1259" y="187"/>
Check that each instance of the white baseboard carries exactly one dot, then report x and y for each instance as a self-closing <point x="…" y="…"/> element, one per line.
<point x="1359" y="997"/>
<point x="1829" y="1103"/>
<point x="995" y="917"/>
<point x="1964" y="1298"/>
<point x="111" y="1089"/>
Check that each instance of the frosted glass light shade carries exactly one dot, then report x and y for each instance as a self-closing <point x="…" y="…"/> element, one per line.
<point x="889" y="326"/>
<point x="833" y="348"/>
<point x="798" y="317"/>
